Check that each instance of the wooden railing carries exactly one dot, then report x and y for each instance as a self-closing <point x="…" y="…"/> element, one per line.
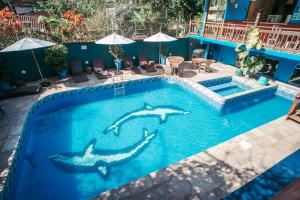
<point x="30" y="21"/>
<point x="194" y="27"/>
<point x="273" y="37"/>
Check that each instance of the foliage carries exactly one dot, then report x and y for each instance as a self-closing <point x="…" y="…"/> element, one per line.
<point x="250" y="63"/>
<point x="166" y="15"/>
<point x="3" y="71"/>
<point x="57" y="57"/>
<point x="9" y="27"/>
<point x="62" y="29"/>
<point x="59" y="7"/>
<point x="116" y="51"/>
<point x="147" y="18"/>
<point x="69" y="20"/>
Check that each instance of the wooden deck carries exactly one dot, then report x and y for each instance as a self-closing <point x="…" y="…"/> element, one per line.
<point x="294" y="113"/>
<point x="274" y="37"/>
<point x="291" y="192"/>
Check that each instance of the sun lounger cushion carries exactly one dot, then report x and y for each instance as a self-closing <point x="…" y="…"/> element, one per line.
<point x="149" y="68"/>
<point x="135" y="70"/>
<point x="99" y="69"/>
<point x="20" y="91"/>
<point x="77" y="72"/>
<point x="80" y="78"/>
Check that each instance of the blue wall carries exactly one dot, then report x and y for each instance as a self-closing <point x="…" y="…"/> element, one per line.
<point x="17" y="61"/>
<point x="296" y="14"/>
<point x="223" y="54"/>
<point x="239" y="13"/>
<point x="285" y="69"/>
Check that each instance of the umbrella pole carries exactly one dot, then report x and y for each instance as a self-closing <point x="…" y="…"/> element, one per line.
<point x="37" y="64"/>
<point x="159" y="53"/>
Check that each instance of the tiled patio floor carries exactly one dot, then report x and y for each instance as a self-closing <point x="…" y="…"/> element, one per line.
<point x="208" y="175"/>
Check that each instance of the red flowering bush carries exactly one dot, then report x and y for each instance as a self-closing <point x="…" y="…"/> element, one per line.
<point x="74" y="19"/>
<point x="9" y="26"/>
<point x="7" y="22"/>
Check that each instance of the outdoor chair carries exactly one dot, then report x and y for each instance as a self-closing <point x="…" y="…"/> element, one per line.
<point x="128" y="63"/>
<point x="145" y="65"/>
<point x="142" y="61"/>
<point x="175" y="65"/>
<point x="77" y="72"/>
<point x="135" y="70"/>
<point x="205" y="66"/>
<point x="20" y="91"/>
<point x="98" y="67"/>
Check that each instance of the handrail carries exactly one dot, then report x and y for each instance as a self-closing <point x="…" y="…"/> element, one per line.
<point x="273" y="37"/>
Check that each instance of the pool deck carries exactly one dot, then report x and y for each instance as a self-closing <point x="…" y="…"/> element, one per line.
<point x="211" y="174"/>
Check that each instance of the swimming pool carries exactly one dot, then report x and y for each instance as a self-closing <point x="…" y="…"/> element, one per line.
<point x="225" y="86"/>
<point x="80" y="143"/>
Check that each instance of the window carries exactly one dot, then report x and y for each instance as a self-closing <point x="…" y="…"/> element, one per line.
<point x="295" y="78"/>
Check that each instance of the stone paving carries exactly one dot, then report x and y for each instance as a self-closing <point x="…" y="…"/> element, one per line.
<point x="208" y="175"/>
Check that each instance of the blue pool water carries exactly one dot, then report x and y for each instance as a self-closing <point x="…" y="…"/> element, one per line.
<point x="271" y="182"/>
<point x="226" y="89"/>
<point x="65" y="153"/>
<point x="225" y="86"/>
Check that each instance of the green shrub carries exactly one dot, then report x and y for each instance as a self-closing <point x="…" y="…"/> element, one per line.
<point x="57" y="57"/>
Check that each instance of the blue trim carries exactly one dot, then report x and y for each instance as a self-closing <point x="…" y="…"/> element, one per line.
<point x="275" y="53"/>
<point x="295" y="19"/>
<point x="204" y="16"/>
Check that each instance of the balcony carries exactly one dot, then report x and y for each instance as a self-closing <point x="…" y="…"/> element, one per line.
<point x="273" y="37"/>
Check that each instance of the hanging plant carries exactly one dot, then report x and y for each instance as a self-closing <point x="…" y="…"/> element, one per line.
<point x="250" y="63"/>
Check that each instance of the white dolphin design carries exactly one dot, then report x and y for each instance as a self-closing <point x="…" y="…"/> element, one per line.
<point x="100" y="161"/>
<point x="147" y="111"/>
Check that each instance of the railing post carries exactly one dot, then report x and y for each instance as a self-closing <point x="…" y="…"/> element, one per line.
<point x="232" y="35"/>
<point x="277" y="38"/>
<point x="204" y="16"/>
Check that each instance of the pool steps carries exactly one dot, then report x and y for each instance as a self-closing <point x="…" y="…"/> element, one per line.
<point x="119" y="89"/>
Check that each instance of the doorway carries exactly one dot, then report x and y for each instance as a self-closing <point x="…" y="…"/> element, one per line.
<point x="295" y="78"/>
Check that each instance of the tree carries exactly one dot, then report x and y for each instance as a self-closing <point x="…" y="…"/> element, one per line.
<point x="9" y="27"/>
<point x="248" y="62"/>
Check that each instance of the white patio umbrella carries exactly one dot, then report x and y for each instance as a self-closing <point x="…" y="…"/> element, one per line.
<point x="29" y="44"/>
<point x="114" y="39"/>
<point x="160" y="37"/>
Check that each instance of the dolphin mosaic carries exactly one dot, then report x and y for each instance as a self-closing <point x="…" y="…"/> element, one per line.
<point x="99" y="161"/>
<point x="162" y="112"/>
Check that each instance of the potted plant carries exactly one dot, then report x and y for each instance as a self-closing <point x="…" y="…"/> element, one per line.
<point x="117" y="53"/>
<point x="250" y="64"/>
<point x="4" y="78"/>
<point x="57" y="57"/>
<point x="163" y="56"/>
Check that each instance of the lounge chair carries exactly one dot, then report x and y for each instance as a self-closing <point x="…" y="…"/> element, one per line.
<point x="142" y="61"/>
<point x="145" y="65"/>
<point x="20" y="91"/>
<point x="99" y="69"/>
<point x="128" y="63"/>
<point x="77" y="72"/>
<point x="135" y="70"/>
